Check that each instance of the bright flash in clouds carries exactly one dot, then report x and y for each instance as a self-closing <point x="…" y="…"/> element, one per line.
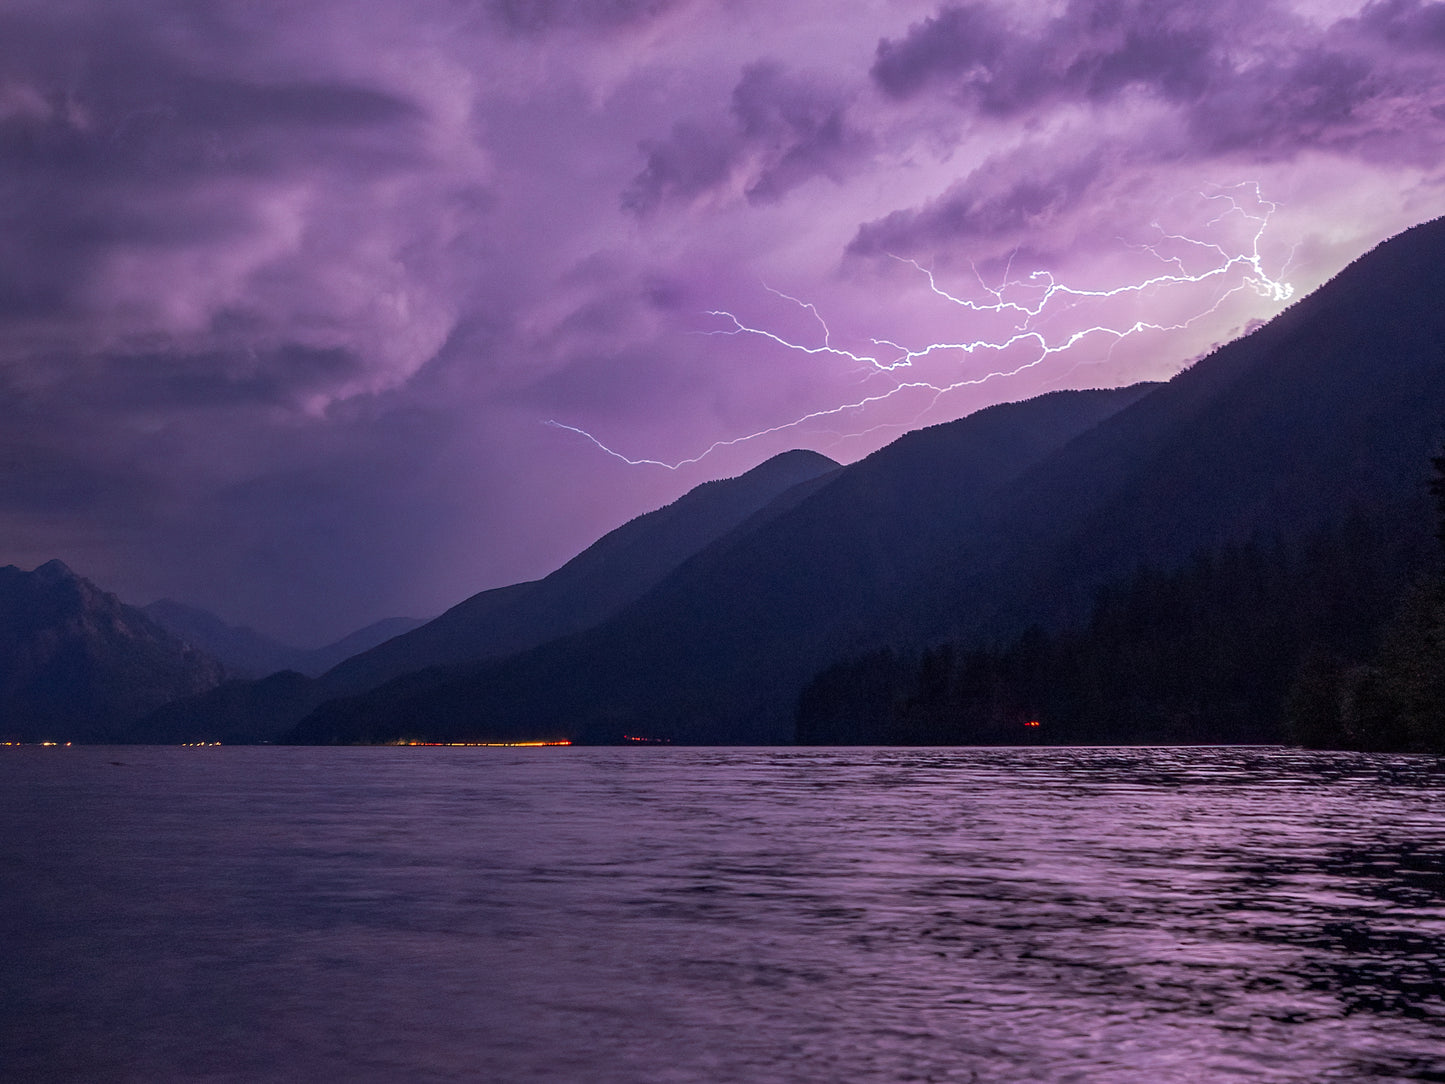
<point x="1023" y="321"/>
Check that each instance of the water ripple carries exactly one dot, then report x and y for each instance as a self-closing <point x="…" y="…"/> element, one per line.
<point x="601" y="915"/>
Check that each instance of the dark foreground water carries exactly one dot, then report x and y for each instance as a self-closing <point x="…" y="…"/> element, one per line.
<point x="599" y="915"/>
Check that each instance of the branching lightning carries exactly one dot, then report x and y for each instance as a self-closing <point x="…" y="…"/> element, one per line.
<point x="1029" y="303"/>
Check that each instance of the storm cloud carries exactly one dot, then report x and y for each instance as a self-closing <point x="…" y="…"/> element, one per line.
<point x="289" y="292"/>
<point x="780" y="131"/>
<point x="1256" y="82"/>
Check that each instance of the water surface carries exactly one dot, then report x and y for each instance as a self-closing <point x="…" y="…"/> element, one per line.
<point x="656" y="914"/>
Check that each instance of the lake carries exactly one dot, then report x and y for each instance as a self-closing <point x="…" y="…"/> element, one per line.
<point x="669" y="914"/>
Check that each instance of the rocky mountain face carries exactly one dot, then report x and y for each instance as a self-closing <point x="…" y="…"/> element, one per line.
<point x="77" y="664"/>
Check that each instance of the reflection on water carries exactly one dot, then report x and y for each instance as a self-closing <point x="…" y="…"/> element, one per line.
<point x="662" y="914"/>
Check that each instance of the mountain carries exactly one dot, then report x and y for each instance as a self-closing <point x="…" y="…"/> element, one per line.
<point x="235" y="712"/>
<point x="247" y="653"/>
<point x="242" y="650"/>
<point x="1204" y="653"/>
<point x="77" y="664"/>
<point x="609" y="574"/>
<point x="716" y="651"/>
<point x="319" y="660"/>
<point x="1336" y="405"/>
<point x="1313" y="436"/>
<point x="612" y="572"/>
<point x="972" y="531"/>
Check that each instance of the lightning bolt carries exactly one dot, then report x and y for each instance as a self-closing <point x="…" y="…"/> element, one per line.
<point x="1028" y="303"/>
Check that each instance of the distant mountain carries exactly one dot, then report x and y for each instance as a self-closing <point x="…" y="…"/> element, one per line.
<point x="592" y="586"/>
<point x="243" y="651"/>
<point x="77" y="664"/>
<point x="717" y="650"/>
<point x="612" y="572"/>
<point x="247" y="653"/>
<point x="972" y="531"/>
<point x="319" y="660"/>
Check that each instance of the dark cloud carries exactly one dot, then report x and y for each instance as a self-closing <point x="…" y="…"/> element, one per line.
<point x="1238" y="79"/>
<point x="692" y="160"/>
<point x="111" y="143"/>
<point x="782" y="130"/>
<point x="1308" y="101"/>
<point x="1003" y="198"/>
<point x="1410" y="24"/>
<point x="283" y="376"/>
<point x="1093" y="50"/>
<point x="538" y="16"/>
<point x="959" y="44"/>
<point x="1178" y="62"/>
<point x="101" y="99"/>
<point x="798" y="128"/>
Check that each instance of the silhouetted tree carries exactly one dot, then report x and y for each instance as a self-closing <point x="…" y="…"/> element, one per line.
<point x="1397" y="700"/>
<point x="1246" y="643"/>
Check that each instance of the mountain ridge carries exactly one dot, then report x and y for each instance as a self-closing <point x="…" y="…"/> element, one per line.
<point x="1328" y="406"/>
<point x="610" y="675"/>
<point x="606" y="575"/>
<point x="247" y="653"/>
<point x="77" y="664"/>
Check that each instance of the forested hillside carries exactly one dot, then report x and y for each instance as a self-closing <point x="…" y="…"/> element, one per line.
<point x="1218" y="650"/>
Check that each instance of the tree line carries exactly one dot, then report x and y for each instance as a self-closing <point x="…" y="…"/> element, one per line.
<point x="1335" y="641"/>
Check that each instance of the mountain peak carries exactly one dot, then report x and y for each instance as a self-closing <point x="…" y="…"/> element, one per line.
<point x="76" y="662"/>
<point x="615" y="571"/>
<point x="798" y="457"/>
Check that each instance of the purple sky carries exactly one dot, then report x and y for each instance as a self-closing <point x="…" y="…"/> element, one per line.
<point x="289" y="292"/>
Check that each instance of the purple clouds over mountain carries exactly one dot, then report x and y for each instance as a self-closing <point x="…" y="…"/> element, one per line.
<point x="288" y="293"/>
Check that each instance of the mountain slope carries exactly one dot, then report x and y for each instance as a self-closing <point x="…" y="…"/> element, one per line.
<point x="243" y="651"/>
<point x="77" y="664"/>
<point x="318" y="661"/>
<point x="975" y="530"/>
<point x="716" y="650"/>
<point x="235" y="712"/>
<point x="247" y="653"/>
<point x="1335" y="405"/>
<point x="612" y="572"/>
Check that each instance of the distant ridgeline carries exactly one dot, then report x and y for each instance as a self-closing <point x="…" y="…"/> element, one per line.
<point x="586" y="591"/>
<point x="1242" y="553"/>
<point x="77" y="664"/>
<point x="1185" y="554"/>
<point x="1312" y="610"/>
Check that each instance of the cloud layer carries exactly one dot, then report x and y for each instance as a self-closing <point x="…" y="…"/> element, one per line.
<point x="289" y="293"/>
